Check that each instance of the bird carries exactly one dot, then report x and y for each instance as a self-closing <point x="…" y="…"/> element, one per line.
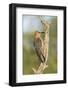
<point x="41" y="46"/>
<point x="38" y="44"/>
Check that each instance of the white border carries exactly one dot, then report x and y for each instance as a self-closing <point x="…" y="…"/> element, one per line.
<point x="20" y="78"/>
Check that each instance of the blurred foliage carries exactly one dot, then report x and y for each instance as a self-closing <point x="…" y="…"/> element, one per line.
<point x="30" y="59"/>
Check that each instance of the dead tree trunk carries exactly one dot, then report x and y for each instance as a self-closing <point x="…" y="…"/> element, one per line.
<point x="44" y="65"/>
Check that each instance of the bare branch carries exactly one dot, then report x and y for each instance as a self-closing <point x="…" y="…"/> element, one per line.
<point x="40" y="69"/>
<point x="45" y="47"/>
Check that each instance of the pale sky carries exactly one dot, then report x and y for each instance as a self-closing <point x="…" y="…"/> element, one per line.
<point x="32" y="23"/>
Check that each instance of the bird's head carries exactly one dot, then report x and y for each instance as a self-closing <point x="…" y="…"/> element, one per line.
<point x="37" y="34"/>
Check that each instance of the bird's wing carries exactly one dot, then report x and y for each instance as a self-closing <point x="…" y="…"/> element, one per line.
<point x="39" y="52"/>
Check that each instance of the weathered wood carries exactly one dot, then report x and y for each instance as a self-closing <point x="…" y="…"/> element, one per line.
<point x="40" y="69"/>
<point x="44" y="65"/>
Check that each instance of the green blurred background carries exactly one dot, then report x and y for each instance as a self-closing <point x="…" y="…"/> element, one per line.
<point x="30" y="60"/>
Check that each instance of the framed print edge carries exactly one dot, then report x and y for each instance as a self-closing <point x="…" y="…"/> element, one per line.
<point x="65" y="44"/>
<point x="12" y="44"/>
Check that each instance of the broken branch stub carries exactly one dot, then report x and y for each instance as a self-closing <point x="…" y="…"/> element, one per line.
<point x="40" y="69"/>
